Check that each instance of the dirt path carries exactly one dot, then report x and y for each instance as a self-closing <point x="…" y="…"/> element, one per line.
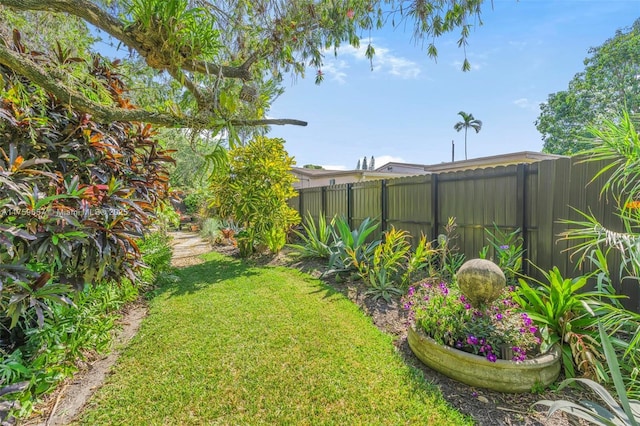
<point x="64" y="405"/>
<point x="187" y="246"/>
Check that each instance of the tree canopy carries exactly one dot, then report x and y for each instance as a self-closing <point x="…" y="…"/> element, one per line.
<point x="214" y="64"/>
<point x="608" y="85"/>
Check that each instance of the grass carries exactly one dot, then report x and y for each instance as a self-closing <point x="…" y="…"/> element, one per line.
<point x="234" y="344"/>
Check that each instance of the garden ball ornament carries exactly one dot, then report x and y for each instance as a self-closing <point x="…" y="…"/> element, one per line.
<point x="481" y="281"/>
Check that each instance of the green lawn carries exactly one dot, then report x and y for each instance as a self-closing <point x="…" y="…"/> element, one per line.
<point x="234" y="344"/>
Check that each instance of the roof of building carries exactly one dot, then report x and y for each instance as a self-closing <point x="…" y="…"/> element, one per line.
<point x="330" y="173"/>
<point x="474" y="163"/>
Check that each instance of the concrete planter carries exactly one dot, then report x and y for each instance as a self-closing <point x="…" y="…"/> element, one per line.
<point x="474" y="370"/>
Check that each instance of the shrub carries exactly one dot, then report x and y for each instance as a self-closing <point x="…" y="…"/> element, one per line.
<point x="74" y="193"/>
<point x="74" y="197"/>
<point x="254" y="193"/>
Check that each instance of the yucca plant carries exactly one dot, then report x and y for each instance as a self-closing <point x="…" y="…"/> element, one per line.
<point x="618" y="410"/>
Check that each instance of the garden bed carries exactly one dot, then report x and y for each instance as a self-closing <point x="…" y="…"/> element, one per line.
<point x="487" y="407"/>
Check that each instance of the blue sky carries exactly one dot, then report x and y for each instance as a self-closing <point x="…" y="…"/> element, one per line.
<point x="405" y="109"/>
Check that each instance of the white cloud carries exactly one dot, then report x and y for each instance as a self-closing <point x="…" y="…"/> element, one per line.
<point x="333" y="167"/>
<point x="336" y="70"/>
<point x="525" y="103"/>
<point x="384" y="159"/>
<point x="519" y="45"/>
<point x="384" y="62"/>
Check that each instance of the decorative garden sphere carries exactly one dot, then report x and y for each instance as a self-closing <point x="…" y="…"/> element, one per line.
<point x="481" y="281"/>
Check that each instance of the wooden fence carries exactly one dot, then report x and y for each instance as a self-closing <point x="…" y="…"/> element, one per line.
<point x="534" y="198"/>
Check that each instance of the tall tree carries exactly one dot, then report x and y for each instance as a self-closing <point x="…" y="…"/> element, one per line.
<point x="608" y="85"/>
<point x="358" y="166"/>
<point x="372" y="163"/>
<point x="468" y="122"/>
<point x="221" y="62"/>
<point x="364" y="163"/>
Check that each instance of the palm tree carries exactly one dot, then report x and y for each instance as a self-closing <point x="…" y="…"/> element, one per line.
<point x="467" y="121"/>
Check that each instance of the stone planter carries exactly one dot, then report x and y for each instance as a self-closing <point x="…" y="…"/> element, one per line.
<point x="474" y="370"/>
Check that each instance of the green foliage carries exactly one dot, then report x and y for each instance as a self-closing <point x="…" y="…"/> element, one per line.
<point x="211" y="230"/>
<point x="450" y="260"/>
<point x="254" y="193"/>
<point x="607" y="85"/>
<point x="315" y="241"/>
<point x="48" y="354"/>
<point x="351" y="244"/>
<point x="387" y="272"/>
<point x="156" y="252"/>
<point x="182" y="31"/>
<point x="166" y="217"/>
<point x="618" y="144"/>
<point x="508" y="250"/>
<point x="620" y="412"/>
<point x="74" y="194"/>
<point x="559" y="305"/>
<point x="383" y="270"/>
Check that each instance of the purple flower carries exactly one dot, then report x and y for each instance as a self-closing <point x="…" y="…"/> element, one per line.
<point x="458" y="344"/>
<point x="472" y="340"/>
<point x="407" y="306"/>
<point x="411" y="291"/>
<point x="504" y="247"/>
<point x="462" y="298"/>
<point x="467" y="306"/>
<point x="499" y="316"/>
<point x="525" y="319"/>
<point x="491" y="357"/>
<point x="474" y="394"/>
<point x="533" y="329"/>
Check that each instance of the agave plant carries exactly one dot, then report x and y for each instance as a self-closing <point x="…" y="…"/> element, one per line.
<point x="315" y="241"/>
<point x="617" y="412"/>
<point x="351" y="241"/>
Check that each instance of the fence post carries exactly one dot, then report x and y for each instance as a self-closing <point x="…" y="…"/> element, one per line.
<point x="383" y="205"/>
<point x="349" y="205"/>
<point x="521" y="209"/>
<point x="323" y="202"/>
<point x="434" y="207"/>
<point x="302" y="214"/>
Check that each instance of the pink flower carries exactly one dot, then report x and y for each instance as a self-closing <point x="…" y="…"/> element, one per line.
<point x="350" y="13"/>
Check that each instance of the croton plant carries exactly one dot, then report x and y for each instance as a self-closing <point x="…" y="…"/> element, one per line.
<point x="74" y="194"/>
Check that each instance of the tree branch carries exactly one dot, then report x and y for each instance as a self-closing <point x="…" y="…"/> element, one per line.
<point x="106" y="114"/>
<point x="91" y="13"/>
